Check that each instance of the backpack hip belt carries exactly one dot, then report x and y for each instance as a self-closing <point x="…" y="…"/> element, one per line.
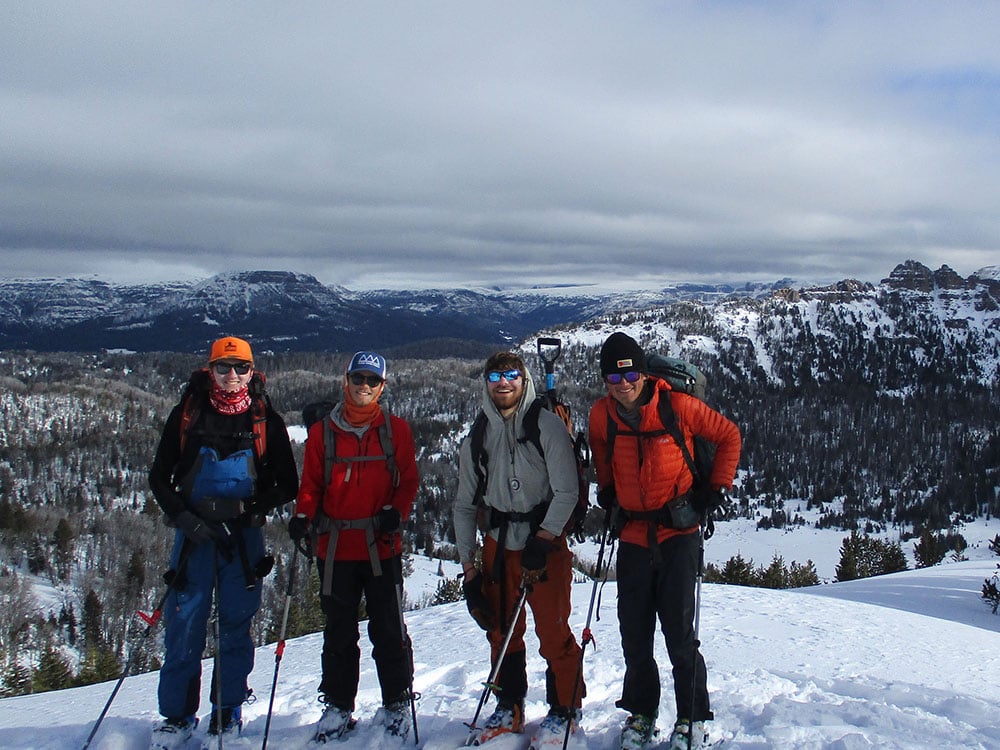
<point x="502" y="519"/>
<point x="323" y="524"/>
<point x="678" y="513"/>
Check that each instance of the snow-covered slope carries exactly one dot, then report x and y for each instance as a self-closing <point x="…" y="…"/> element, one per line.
<point x="905" y="661"/>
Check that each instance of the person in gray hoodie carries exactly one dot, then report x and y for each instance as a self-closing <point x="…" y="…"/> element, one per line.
<point x="522" y="498"/>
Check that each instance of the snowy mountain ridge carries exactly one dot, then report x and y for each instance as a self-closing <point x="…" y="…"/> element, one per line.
<point x="916" y="326"/>
<point x="284" y="311"/>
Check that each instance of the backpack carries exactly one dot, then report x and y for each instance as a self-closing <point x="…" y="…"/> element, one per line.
<point x="684" y="377"/>
<point x="200" y="382"/>
<point x="532" y="434"/>
<point x="314" y="412"/>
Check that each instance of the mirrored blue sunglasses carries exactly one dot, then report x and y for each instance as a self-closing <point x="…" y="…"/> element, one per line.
<point x="509" y="375"/>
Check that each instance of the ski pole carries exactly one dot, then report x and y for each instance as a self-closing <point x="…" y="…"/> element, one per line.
<point x="408" y="647"/>
<point x="151" y="620"/>
<point x="490" y="683"/>
<point x="588" y="636"/>
<point x="697" y="621"/>
<point x="217" y="669"/>
<point x="279" y="650"/>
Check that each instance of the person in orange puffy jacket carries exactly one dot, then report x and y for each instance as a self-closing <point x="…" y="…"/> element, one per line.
<point x="359" y="480"/>
<point x="643" y="471"/>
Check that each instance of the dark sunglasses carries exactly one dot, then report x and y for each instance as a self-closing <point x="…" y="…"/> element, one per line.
<point x="223" y="368"/>
<point x="372" y="381"/>
<point x="509" y="375"/>
<point x="615" y="378"/>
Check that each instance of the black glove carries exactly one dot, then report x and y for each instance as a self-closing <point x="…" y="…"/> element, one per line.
<point x="194" y="528"/>
<point x="720" y="503"/>
<point x="298" y="527"/>
<point x="266" y="500"/>
<point x="533" y="559"/>
<point x="388" y="520"/>
<point x="478" y="604"/>
<point x="606" y="497"/>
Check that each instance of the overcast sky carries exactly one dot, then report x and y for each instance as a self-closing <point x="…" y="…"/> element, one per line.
<point x="463" y="143"/>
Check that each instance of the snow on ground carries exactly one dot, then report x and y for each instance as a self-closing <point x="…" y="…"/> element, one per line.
<point x="902" y="661"/>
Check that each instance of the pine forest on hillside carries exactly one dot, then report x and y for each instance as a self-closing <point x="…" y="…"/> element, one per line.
<point x="870" y="429"/>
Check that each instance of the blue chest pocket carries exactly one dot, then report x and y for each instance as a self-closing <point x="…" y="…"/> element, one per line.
<point x="231" y="477"/>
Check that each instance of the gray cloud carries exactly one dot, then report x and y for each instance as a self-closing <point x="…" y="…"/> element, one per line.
<point x="458" y="143"/>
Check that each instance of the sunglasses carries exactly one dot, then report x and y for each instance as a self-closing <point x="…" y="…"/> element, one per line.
<point x="509" y="375"/>
<point x="372" y="381"/>
<point x="615" y="378"/>
<point x="223" y="368"/>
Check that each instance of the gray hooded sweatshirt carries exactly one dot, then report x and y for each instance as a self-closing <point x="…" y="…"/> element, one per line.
<point x="517" y="478"/>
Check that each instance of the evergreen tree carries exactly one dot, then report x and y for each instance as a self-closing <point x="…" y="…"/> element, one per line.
<point x="929" y="550"/>
<point x="99" y="665"/>
<point x="737" y="571"/>
<point x="801" y="576"/>
<point x="892" y="559"/>
<point x="775" y="575"/>
<point x="67" y="621"/>
<point x="847" y="568"/>
<point x="62" y="541"/>
<point x="37" y="559"/>
<point x="864" y="556"/>
<point x="16" y="680"/>
<point x="52" y="673"/>
<point x="93" y="634"/>
<point x="448" y="590"/>
<point x="135" y="573"/>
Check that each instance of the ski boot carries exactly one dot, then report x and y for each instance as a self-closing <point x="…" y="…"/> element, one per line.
<point x="333" y="724"/>
<point x="395" y="717"/>
<point x="552" y="731"/>
<point x="638" y="732"/>
<point x="173" y="733"/>
<point x="683" y="729"/>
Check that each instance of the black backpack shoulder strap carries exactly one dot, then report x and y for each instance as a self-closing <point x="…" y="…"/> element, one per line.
<point x="195" y="390"/>
<point x="329" y="448"/>
<point x="529" y="424"/>
<point x="480" y="458"/>
<point x="258" y="410"/>
<point x="385" y="437"/>
<point x="669" y="420"/>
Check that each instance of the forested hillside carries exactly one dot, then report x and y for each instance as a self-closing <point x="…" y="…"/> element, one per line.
<point x="878" y="406"/>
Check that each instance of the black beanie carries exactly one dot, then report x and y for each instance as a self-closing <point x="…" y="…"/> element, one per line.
<point x="621" y="353"/>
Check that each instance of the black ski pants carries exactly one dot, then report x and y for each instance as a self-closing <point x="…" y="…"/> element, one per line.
<point x="648" y="591"/>
<point x="341" y="654"/>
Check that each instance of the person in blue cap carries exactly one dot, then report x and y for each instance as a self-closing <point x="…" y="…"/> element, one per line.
<point x="359" y="480"/>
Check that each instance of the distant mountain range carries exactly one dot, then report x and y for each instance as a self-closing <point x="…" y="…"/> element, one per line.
<point x="283" y="311"/>
<point x="916" y="327"/>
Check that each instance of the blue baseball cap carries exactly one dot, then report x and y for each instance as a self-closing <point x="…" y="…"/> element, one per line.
<point x="369" y="362"/>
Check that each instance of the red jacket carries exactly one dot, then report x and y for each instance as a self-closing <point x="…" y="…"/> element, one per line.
<point x="359" y="489"/>
<point x="649" y="475"/>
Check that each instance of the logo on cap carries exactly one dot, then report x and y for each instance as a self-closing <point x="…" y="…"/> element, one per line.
<point x="372" y="360"/>
<point x="623" y="363"/>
